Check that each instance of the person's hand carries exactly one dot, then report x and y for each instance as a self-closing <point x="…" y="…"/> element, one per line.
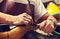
<point x="47" y="26"/>
<point x="23" y="19"/>
<point x="1" y="1"/>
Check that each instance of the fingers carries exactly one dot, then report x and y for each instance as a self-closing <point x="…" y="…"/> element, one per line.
<point x="27" y="18"/>
<point x="46" y="26"/>
<point x="23" y="19"/>
<point x="49" y="29"/>
<point x="25" y="22"/>
<point x="42" y="25"/>
<point x="25" y="15"/>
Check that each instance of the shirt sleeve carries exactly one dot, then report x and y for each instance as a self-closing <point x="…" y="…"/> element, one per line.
<point x="39" y="9"/>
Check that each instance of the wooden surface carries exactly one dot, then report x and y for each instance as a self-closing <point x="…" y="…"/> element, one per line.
<point x="15" y="33"/>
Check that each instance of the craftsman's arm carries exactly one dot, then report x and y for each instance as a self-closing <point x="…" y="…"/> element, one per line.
<point x="6" y="18"/>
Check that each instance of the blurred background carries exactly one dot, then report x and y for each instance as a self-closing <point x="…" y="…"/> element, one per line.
<point x="57" y="1"/>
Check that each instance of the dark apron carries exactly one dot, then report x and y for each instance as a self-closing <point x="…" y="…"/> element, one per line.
<point x="14" y="8"/>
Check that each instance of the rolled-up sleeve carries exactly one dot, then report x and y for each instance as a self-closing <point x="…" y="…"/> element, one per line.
<point x="39" y="9"/>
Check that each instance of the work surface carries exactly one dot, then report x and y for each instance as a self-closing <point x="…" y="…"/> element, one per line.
<point x="15" y="33"/>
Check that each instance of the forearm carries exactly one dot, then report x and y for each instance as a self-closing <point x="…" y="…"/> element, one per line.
<point x="44" y="17"/>
<point x="6" y="19"/>
<point x="48" y="17"/>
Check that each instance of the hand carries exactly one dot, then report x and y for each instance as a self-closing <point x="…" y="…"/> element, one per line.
<point x="23" y="19"/>
<point x="47" y="26"/>
<point x="1" y="1"/>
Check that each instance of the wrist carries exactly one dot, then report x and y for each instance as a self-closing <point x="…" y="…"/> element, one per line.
<point x="15" y="19"/>
<point x="51" y="18"/>
<point x="10" y="20"/>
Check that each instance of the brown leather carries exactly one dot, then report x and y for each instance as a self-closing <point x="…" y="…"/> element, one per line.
<point x="15" y="33"/>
